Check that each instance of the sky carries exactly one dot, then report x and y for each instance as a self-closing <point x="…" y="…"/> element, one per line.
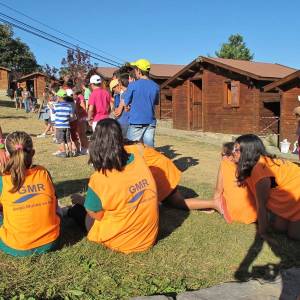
<point x="164" y="31"/>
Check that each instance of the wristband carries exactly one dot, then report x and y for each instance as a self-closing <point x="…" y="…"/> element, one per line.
<point x="2" y="146"/>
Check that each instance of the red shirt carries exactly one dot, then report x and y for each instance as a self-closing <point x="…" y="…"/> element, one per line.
<point x="81" y="112"/>
<point x="100" y="99"/>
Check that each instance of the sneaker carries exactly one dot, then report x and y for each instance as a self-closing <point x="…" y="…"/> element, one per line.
<point x="43" y="135"/>
<point x="57" y="152"/>
<point x="61" y="154"/>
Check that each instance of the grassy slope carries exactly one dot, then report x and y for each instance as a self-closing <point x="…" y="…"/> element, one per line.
<point x="195" y="250"/>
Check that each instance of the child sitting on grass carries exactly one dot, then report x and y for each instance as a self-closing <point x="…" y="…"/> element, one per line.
<point x="121" y="201"/>
<point x="30" y="224"/>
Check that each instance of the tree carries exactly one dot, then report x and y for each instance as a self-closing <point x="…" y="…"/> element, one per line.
<point x="75" y="65"/>
<point x="15" y="54"/>
<point x="235" y="48"/>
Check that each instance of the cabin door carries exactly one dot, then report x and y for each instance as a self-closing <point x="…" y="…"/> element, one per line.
<point x="196" y="104"/>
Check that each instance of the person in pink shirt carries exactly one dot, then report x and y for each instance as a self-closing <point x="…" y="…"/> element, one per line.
<point x="99" y="102"/>
<point x="82" y="120"/>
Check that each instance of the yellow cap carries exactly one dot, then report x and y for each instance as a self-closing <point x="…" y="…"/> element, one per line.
<point x="113" y="84"/>
<point x="142" y="64"/>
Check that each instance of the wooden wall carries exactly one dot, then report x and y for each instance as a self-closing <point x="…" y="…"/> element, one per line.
<point x="180" y="106"/>
<point x="269" y="113"/>
<point x="39" y="86"/>
<point x="288" y="121"/>
<point x="217" y="117"/>
<point x="164" y="109"/>
<point x="3" y="80"/>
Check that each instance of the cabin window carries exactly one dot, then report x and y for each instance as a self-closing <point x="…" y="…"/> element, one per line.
<point x="232" y="93"/>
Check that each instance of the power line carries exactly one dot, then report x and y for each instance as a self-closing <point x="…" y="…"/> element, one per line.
<point x="60" y="32"/>
<point x="58" y="39"/>
<point x="63" y="44"/>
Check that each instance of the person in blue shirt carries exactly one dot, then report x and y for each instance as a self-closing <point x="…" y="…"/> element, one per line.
<point x="142" y="95"/>
<point x="121" y="111"/>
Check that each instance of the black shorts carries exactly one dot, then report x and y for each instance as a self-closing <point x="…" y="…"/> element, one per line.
<point x="63" y="135"/>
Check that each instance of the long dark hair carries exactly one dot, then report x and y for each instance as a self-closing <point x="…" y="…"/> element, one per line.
<point x="107" y="147"/>
<point x="251" y="148"/>
<point x="20" y="148"/>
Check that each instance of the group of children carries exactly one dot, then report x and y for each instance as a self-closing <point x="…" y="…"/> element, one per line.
<point x="65" y="116"/>
<point x="252" y="186"/>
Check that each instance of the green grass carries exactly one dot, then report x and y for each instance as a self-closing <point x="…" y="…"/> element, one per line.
<point x="194" y="250"/>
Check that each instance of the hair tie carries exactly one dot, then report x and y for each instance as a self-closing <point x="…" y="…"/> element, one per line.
<point x="19" y="147"/>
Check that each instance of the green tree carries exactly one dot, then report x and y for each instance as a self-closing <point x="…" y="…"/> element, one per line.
<point x="235" y="48"/>
<point x="15" y="54"/>
<point x="75" y="65"/>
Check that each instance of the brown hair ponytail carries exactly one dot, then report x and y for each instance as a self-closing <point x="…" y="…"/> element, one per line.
<point x="20" y="148"/>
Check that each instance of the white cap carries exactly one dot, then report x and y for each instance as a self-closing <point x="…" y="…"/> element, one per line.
<point x="69" y="92"/>
<point x="96" y="79"/>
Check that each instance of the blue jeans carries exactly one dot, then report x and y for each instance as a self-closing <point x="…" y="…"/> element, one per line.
<point x="142" y="133"/>
<point x="27" y="105"/>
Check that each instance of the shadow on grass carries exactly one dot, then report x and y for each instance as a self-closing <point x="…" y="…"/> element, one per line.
<point x="7" y="103"/>
<point x="168" y="151"/>
<point x="71" y="233"/>
<point x="289" y="253"/>
<point x="69" y="187"/>
<point x="171" y="218"/>
<point x="13" y="117"/>
<point x="182" y="163"/>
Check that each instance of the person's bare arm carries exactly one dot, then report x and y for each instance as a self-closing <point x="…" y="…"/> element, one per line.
<point x="90" y="114"/>
<point x="263" y="188"/>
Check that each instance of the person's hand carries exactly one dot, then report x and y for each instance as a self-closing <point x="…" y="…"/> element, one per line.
<point x="90" y="122"/>
<point x="127" y="108"/>
<point x="3" y="157"/>
<point x="117" y="112"/>
<point x="77" y="199"/>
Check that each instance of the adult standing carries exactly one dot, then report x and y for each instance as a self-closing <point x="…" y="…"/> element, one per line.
<point x="18" y="96"/>
<point x="27" y="100"/>
<point x="142" y="95"/>
<point x="99" y="102"/>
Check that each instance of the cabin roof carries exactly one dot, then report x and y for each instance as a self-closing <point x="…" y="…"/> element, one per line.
<point x="4" y="68"/>
<point x="255" y="70"/>
<point x="163" y="71"/>
<point x="282" y="81"/>
<point x="32" y="75"/>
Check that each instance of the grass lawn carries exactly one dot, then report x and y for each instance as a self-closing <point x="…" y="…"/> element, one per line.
<point x="194" y="250"/>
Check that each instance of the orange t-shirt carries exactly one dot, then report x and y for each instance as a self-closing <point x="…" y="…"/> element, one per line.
<point x="165" y="173"/>
<point x="239" y="203"/>
<point x="284" y="199"/>
<point x="129" y="202"/>
<point x="29" y="215"/>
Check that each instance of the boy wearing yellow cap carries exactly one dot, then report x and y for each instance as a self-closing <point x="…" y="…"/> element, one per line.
<point x="142" y="95"/>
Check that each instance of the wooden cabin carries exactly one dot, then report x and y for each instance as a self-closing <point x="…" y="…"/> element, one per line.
<point x="4" y="80"/>
<point x="225" y="96"/>
<point x="35" y="83"/>
<point x="160" y="73"/>
<point x="289" y="90"/>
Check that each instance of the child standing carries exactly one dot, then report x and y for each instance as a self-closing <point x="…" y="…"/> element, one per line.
<point x="81" y="121"/>
<point x="121" y="111"/>
<point x="63" y="115"/>
<point x="30" y="224"/>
